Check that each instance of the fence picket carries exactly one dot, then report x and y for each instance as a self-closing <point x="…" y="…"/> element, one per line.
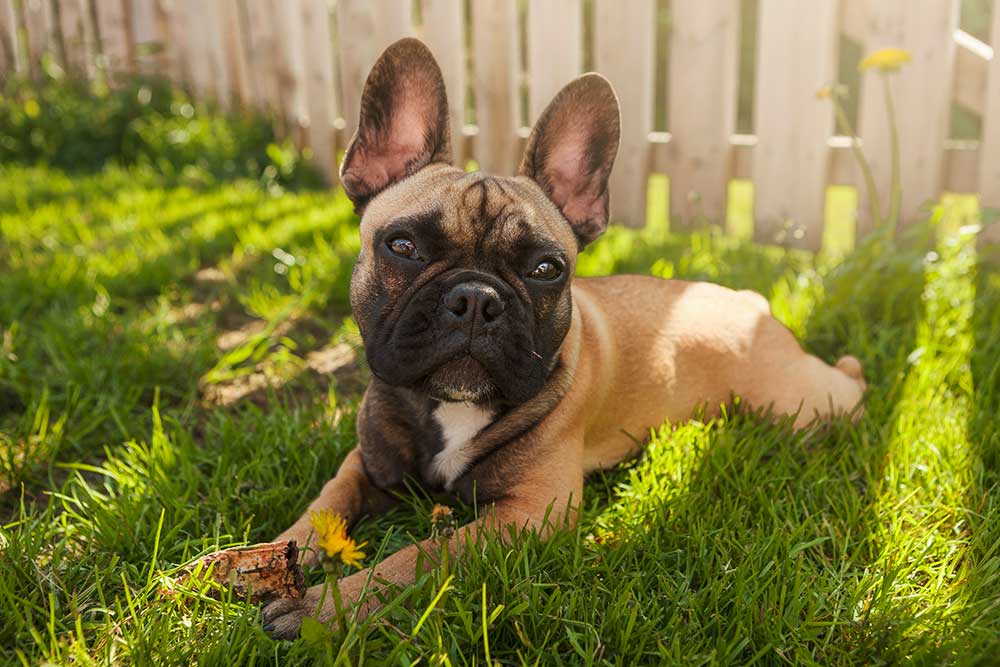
<point x="112" y="30"/>
<point x="171" y="16"/>
<point x="393" y="21"/>
<point x="319" y="84"/>
<point x="443" y="32"/>
<point x="355" y="29"/>
<point x="623" y="52"/>
<point x="922" y="93"/>
<point x="237" y="74"/>
<point x="989" y="149"/>
<point x="147" y="36"/>
<point x="77" y="28"/>
<point x="494" y="43"/>
<point x="289" y="60"/>
<point x="194" y="17"/>
<point x="792" y="155"/>
<point x="38" y="27"/>
<point x="555" y="57"/>
<point x="263" y="42"/>
<point x="10" y="53"/>
<point x="702" y="107"/>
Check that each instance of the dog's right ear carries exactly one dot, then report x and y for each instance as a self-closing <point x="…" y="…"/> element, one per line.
<point x="403" y="125"/>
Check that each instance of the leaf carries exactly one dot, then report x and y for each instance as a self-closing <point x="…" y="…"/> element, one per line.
<point x="802" y="546"/>
<point x="315" y="632"/>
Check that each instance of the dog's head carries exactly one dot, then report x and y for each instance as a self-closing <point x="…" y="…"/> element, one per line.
<point x="462" y="287"/>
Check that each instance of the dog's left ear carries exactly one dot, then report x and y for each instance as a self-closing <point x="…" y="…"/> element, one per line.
<point x="571" y="151"/>
<point x="403" y="124"/>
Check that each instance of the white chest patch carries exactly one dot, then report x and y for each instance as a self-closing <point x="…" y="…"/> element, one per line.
<point x="459" y="423"/>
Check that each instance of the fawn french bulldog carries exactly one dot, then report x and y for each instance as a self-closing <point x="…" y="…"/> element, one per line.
<point x="496" y="375"/>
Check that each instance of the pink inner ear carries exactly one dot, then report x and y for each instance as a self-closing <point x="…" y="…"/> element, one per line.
<point x="574" y="190"/>
<point x="387" y="156"/>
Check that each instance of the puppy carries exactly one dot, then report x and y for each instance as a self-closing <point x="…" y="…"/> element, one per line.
<point x="496" y="375"/>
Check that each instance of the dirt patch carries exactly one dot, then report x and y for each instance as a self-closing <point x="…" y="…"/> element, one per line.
<point x="335" y="364"/>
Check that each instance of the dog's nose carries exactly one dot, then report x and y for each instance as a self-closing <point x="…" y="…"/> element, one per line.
<point x="468" y="300"/>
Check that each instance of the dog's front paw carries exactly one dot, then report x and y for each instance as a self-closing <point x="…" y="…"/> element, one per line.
<point x="282" y="618"/>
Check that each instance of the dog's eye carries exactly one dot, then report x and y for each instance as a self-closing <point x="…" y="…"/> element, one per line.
<point x="546" y="270"/>
<point x="403" y="247"/>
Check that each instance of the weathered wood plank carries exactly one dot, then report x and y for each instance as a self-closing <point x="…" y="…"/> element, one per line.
<point x="77" y="32"/>
<point x="263" y="42"/>
<point x="113" y="33"/>
<point x="231" y="20"/>
<point x="393" y="21"/>
<point x="443" y="32"/>
<point x="195" y="17"/>
<point x="793" y="125"/>
<point x="355" y="27"/>
<point x="289" y="61"/>
<point x="555" y="50"/>
<point x="623" y="52"/>
<point x="319" y="84"/>
<point x="922" y="95"/>
<point x="148" y="38"/>
<point x="39" y="25"/>
<point x="989" y="149"/>
<point x="212" y="33"/>
<point x="10" y="49"/>
<point x="494" y="40"/>
<point x="702" y="108"/>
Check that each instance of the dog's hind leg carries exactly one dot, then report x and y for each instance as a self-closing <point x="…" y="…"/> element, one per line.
<point x="811" y="389"/>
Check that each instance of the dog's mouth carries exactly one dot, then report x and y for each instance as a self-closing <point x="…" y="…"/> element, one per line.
<point x="462" y="379"/>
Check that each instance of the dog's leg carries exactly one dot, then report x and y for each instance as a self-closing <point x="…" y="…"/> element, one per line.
<point x="809" y="388"/>
<point x="544" y="500"/>
<point x="350" y="494"/>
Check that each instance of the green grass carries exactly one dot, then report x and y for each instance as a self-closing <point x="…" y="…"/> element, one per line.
<point x="732" y="542"/>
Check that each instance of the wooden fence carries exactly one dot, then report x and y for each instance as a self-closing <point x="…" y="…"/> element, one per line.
<point x="305" y="61"/>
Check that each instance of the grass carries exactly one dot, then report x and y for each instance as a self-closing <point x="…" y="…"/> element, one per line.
<point x="731" y="542"/>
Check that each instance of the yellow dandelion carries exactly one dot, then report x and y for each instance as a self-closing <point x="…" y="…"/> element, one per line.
<point x="332" y="538"/>
<point x="887" y="60"/>
<point x="824" y="93"/>
<point x="352" y="554"/>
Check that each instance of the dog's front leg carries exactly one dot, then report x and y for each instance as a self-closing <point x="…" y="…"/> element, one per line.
<point x="545" y="501"/>
<point x="350" y="494"/>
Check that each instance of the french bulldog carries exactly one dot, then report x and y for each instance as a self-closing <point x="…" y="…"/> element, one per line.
<point x="498" y="376"/>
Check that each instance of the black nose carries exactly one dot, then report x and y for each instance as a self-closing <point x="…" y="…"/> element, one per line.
<point x="466" y="301"/>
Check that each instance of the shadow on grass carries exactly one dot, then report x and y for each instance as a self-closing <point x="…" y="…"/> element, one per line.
<point x="85" y="346"/>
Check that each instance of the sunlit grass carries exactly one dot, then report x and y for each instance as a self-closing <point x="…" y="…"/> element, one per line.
<point x="731" y="542"/>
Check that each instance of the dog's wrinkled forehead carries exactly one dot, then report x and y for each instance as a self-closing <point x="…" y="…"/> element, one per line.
<point x="471" y="207"/>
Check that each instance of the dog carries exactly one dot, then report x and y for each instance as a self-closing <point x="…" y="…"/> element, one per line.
<point x="496" y="375"/>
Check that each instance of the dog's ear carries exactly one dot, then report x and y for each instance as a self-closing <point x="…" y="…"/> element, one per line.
<point x="403" y="125"/>
<point x="571" y="151"/>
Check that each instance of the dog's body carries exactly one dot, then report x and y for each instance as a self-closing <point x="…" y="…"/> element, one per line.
<point x="495" y="378"/>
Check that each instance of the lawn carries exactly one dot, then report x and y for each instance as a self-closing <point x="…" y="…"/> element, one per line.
<point x="179" y="374"/>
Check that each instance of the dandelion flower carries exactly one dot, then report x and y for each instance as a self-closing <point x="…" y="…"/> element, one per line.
<point x="887" y="60"/>
<point x="441" y="513"/>
<point x="352" y="554"/>
<point x="332" y="538"/>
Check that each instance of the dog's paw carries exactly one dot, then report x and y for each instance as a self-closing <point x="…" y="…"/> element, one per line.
<point x="282" y="618"/>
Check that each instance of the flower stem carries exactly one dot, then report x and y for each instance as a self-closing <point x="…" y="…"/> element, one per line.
<point x="896" y="189"/>
<point x="338" y="603"/>
<point x="859" y="156"/>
